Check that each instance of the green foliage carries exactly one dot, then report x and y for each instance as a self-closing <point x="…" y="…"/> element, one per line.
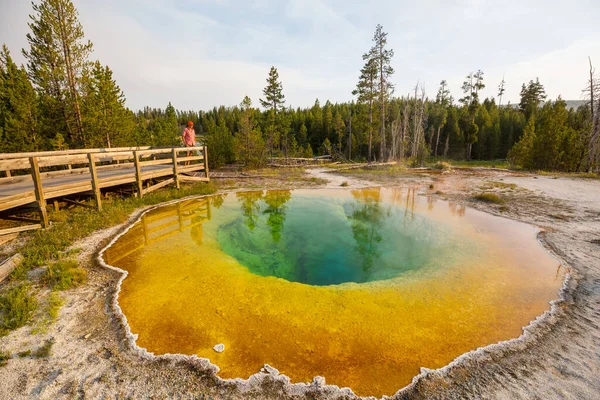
<point x="44" y="350"/>
<point x="4" y="357"/>
<point x="64" y="274"/>
<point x="221" y="144"/>
<point x="18" y="108"/>
<point x="106" y="121"/>
<point x="489" y="198"/>
<point x="550" y="142"/>
<point x="16" y="307"/>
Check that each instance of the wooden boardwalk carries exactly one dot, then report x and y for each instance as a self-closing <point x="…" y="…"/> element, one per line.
<point x="44" y="176"/>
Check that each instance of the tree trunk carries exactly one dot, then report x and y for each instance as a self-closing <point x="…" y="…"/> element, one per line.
<point x="446" y="146"/>
<point x="370" y="127"/>
<point x="350" y="136"/>
<point x="437" y="141"/>
<point x="70" y="74"/>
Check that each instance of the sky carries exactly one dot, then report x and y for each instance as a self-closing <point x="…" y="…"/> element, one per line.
<point x="199" y="54"/>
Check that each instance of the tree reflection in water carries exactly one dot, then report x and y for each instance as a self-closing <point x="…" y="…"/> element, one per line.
<point x="250" y="207"/>
<point x="276" y="209"/>
<point x="367" y="220"/>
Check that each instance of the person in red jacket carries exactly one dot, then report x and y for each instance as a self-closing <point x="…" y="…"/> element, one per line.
<point x="189" y="138"/>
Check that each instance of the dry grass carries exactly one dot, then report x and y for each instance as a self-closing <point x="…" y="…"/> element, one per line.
<point x="489" y="198"/>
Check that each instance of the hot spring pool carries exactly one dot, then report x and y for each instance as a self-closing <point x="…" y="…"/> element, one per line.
<point x="362" y="287"/>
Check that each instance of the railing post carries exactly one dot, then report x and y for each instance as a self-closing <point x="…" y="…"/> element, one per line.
<point x="205" y="160"/>
<point x="95" y="184"/>
<point x="175" y="168"/>
<point x="39" y="190"/>
<point x="138" y="174"/>
<point x="8" y="175"/>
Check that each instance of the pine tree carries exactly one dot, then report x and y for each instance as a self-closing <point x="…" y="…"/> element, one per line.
<point x="366" y="90"/>
<point x="440" y="114"/>
<point x="339" y="128"/>
<point x="106" y="120"/>
<point x="57" y="58"/>
<point x="471" y="87"/>
<point x="249" y="144"/>
<point x="18" y="108"/>
<point x="273" y="101"/>
<point x="383" y="58"/>
<point x="532" y="97"/>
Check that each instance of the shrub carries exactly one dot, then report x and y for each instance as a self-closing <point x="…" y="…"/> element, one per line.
<point x="64" y="274"/>
<point x="45" y="350"/>
<point x="490" y="198"/>
<point x="16" y="307"/>
<point x="344" y="184"/>
<point x="4" y="357"/>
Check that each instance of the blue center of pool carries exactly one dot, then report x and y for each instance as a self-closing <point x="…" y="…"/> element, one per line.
<point x="328" y="240"/>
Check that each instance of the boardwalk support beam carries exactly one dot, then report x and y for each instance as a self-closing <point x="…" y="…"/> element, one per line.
<point x="138" y="174"/>
<point x="39" y="191"/>
<point x="95" y="185"/>
<point x="175" y="169"/>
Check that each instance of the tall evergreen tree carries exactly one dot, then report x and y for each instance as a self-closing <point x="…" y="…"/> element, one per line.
<point x="383" y="58"/>
<point x="366" y="90"/>
<point x="532" y="96"/>
<point x="18" y="108"/>
<point x="274" y="102"/>
<point x="106" y="120"/>
<point x="57" y="57"/>
<point x="471" y="87"/>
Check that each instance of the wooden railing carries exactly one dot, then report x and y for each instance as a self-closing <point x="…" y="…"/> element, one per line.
<point x="78" y="171"/>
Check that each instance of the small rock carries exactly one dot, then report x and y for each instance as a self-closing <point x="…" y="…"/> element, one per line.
<point x="219" y="348"/>
<point x="87" y="336"/>
<point x="270" y="370"/>
<point x="319" y="381"/>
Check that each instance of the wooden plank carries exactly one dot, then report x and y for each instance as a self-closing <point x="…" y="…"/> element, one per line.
<point x="205" y="153"/>
<point x="7" y="238"/>
<point x="138" y="174"/>
<point x="83" y="187"/>
<point x="17" y="229"/>
<point x="175" y="169"/>
<point x="162" y="161"/>
<point x="17" y="203"/>
<point x="185" y="178"/>
<point x="114" y="178"/>
<point x="18" y="196"/>
<point x="9" y="156"/>
<point x="118" y="182"/>
<point x="191" y="168"/>
<point x="154" y="151"/>
<point x="77" y="203"/>
<point x="20" y="219"/>
<point x="7" y="172"/>
<point x="39" y="190"/>
<point x="157" y="174"/>
<point x="95" y="183"/>
<point x="51" y="161"/>
<point x="19" y="163"/>
<point x="9" y="265"/>
<point x="15" y="179"/>
<point x="191" y="158"/>
<point x="158" y="185"/>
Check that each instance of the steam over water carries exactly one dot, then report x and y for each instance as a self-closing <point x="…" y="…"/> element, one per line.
<point x="362" y="287"/>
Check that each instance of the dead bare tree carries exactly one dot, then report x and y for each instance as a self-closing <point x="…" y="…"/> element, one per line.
<point x="594" y="142"/>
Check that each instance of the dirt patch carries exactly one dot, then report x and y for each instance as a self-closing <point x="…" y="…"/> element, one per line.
<point x="91" y="355"/>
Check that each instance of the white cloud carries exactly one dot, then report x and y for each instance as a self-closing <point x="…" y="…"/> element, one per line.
<point x="202" y="53"/>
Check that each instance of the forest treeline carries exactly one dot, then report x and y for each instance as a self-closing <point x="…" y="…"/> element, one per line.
<point x="62" y="99"/>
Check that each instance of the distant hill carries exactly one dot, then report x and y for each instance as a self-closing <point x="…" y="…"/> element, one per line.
<point x="575" y="103"/>
<point x="571" y="104"/>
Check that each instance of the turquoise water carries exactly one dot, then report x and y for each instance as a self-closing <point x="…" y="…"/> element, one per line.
<point x="327" y="240"/>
